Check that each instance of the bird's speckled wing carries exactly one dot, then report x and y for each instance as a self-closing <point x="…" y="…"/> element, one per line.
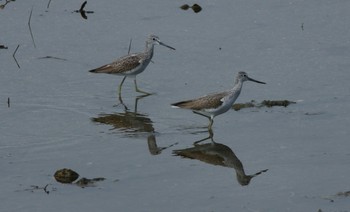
<point x="121" y="65"/>
<point x="206" y="102"/>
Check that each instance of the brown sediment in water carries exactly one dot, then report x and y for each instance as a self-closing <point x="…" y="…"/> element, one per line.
<point x="265" y="103"/>
<point x="272" y="103"/>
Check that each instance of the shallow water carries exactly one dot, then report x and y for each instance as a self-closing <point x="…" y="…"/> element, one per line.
<point x="62" y="116"/>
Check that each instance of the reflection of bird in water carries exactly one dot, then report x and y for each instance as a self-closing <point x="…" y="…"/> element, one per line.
<point x="129" y="122"/>
<point x="132" y="124"/>
<point x="217" y="154"/>
<point x="153" y="147"/>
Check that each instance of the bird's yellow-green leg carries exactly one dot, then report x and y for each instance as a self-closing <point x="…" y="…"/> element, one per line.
<point x="120" y="87"/>
<point x="211" y="134"/>
<point x="211" y="120"/>
<point x="210" y="124"/>
<point x="138" y="90"/>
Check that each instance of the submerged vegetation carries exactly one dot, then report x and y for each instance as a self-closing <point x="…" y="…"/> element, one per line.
<point x="265" y="103"/>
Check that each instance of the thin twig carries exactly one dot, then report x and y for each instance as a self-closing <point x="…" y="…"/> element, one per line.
<point x="8" y="101"/>
<point x="2" y="6"/>
<point x="129" y="45"/>
<point x="52" y="57"/>
<point x="82" y="6"/>
<point x="82" y="11"/>
<point x="35" y="187"/>
<point x="48" y="4"/>
<point x="14" y="56"/>
<point x="30" y="28"/>
<point x="45" y="189"/>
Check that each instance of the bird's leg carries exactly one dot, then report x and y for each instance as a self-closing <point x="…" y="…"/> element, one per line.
<point x="211" y="121"/>
<point x="196" y="112"/>
<point x="120" y="87"/>
<point x="121" y="102"/>
<point x="211" y="134"/>
<point x="210" y="125"/>
<point x="120" y="96"/>
<point x="199" y="141"/>
<point x="138" y="90"/>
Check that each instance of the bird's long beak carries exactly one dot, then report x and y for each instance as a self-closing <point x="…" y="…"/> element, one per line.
<point x="163" y="44"/>
<point x="250" y="79"/>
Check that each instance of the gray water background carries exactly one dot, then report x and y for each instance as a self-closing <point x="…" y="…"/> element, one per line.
<point x="299" y="48"/>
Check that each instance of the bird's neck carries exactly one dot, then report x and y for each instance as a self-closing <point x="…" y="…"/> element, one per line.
<point x="149" y="49"/>
<point x="235" y="91"/>
<point x="237" y="86"/>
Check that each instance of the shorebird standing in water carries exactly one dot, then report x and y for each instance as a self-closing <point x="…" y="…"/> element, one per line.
<point x="132" y="64"/>
<point x="215" y="104"/>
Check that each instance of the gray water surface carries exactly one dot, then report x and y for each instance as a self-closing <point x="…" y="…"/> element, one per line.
<point x="62" y="116"/>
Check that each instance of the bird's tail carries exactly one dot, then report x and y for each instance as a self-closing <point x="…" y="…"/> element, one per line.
<point x="182" y="104"/>
<point x="102" y="69"/>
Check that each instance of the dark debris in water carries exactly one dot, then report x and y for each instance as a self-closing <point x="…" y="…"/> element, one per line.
<point x="195" y="7"/>
<point x="313" y="113"/>
<point x="82" y="11"/>
<point x="85" y="182"/>
<point x="65" y="175"/>
<point x="52" y="57"/>
<point x="265" y="103"/>
<point x="68" y="176"/>
<point x="3" y="46"/>
<point x="272" y="103"/>
<point x="47" y="188"/>
<point x="337" y="195"/>
<point x="2" y="6"/>
<point x="185" y="7"/>
<point x="343" y="194"/>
